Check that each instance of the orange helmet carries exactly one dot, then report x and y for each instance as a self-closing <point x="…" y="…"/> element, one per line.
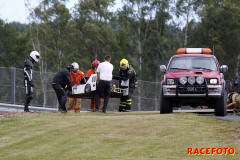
<point x="95" y="63"/>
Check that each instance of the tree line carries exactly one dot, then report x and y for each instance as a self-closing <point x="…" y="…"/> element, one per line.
<point x="146" y="32"/>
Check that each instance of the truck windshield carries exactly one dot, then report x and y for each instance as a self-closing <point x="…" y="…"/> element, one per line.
<point x="193" y="64"/>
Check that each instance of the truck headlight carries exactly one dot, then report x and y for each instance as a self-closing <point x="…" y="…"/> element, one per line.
<point x="191" y="80"/>
<point x="213" y="81"/>
<point x="200" y="80"/>
<point x="183" y="80"/>
<point x="170" y="81"/>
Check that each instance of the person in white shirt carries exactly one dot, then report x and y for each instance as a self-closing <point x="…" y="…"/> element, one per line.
<point x="104" y="76"/>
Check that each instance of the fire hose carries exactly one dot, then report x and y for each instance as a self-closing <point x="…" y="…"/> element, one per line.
<point x="231" y="104"/>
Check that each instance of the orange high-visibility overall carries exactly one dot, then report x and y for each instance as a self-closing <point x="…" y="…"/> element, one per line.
<point x="75" y="103"/>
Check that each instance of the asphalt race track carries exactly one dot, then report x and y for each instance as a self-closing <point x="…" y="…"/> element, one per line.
<point x="202" y="112"/>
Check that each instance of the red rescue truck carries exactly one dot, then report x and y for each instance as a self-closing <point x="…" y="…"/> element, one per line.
<point x="193" y="77"/>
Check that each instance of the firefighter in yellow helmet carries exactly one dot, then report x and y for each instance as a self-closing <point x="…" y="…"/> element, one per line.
<point x="127" y="73"/>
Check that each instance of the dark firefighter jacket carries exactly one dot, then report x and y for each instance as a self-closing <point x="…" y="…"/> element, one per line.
<point x="63" y="78"/>
<point x="130" y="74"/>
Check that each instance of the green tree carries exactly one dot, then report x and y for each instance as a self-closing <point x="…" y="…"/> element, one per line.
<point x="13" y="46"/>
<point x="48" y="32"/>
<point x="143" y="35"/>
<point x="186" y="12"/>
<point x="93" y="19"/>
<point x="219" y="30"/>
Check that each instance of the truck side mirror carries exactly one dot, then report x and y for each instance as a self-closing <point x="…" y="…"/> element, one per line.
<point x="163" y="68"/>
<point x="223" y="68"/>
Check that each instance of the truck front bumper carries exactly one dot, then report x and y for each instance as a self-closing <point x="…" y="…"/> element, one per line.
<point x="213" y="91"/>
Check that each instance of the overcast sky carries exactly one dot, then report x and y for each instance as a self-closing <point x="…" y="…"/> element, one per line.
<point x="14" y="10"/>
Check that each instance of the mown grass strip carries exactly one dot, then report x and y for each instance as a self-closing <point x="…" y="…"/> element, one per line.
<point x="114" y="136"/>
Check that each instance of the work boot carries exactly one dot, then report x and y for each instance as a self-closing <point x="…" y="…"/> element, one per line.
<point x="122" y="109"/>
<point x="77" y="110"/>
<point x="104" y="110"/>
<point x="95" y="110"/>
<point x="70" y="110"/>
<point x="128" y="107"/>
<point x="27" y="110"/>
<point x="62" y="110"/>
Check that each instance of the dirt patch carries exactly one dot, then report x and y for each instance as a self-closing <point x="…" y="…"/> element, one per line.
<point x="7" y="115"/>
<point x="237" y="135"/>
<point x="237" y="111"/>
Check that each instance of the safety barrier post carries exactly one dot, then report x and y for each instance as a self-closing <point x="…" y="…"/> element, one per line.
<point x="13" y="84"/>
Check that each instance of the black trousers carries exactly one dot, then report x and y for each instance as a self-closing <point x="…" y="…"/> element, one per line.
<point x="102" y="86"/>
<point x="29" y="95"/>
<point x="61" y="96"/>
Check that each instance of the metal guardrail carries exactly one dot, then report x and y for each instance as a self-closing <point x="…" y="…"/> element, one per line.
<point x="19" y="108"/>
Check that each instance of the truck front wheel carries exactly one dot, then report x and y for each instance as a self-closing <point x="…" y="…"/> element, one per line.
<point x="221" y="105"/>
<point x="165" y="105"/>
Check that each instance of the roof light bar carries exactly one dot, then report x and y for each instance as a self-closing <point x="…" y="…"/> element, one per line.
<point x="194" y="51"/>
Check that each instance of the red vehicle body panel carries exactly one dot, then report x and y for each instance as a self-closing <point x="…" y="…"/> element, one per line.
<point x="205" y="74"/>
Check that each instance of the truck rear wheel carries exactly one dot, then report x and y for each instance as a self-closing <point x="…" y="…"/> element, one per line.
<point x="165" y="105"/>
<point x="221" y="105"/>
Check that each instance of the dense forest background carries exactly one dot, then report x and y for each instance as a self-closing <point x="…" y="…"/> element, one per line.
<point x="146" y="32"/>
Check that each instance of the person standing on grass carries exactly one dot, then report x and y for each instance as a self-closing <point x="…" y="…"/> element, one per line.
<point x="60" y="83"/>
<point x="74" y="104"/>
<point x="104" y="76"/>
<point x="28" y="77"/>
<point x="93" y="70"/>
<point x="127" y="73"/>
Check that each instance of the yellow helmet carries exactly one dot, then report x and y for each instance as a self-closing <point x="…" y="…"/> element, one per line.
<point x="124" y="62"/>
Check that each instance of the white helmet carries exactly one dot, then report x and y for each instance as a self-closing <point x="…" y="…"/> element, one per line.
<point x="35" y="56"/>
<point x="75" y="65"/>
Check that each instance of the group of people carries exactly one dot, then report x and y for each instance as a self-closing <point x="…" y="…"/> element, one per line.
<point x="71" y="75"/>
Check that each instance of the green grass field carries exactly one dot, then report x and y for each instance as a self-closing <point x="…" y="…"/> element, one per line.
<point x="114" y="136"/>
